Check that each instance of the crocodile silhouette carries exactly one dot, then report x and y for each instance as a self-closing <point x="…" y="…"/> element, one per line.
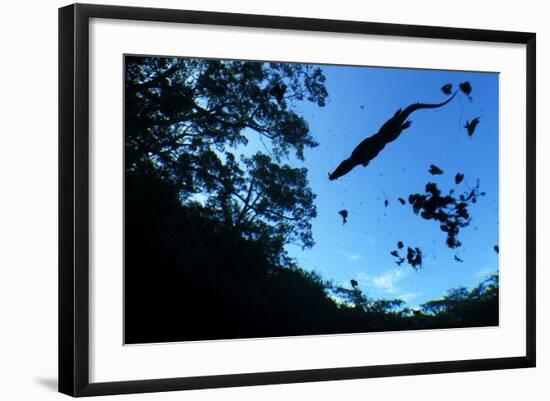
<point x="369" y="148"/>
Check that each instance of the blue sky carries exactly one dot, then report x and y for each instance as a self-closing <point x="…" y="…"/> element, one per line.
<point x="361" y="99"/>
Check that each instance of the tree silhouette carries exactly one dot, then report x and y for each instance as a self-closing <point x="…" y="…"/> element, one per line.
<point x="188" y="120"/>
<point x="477" y="307"/>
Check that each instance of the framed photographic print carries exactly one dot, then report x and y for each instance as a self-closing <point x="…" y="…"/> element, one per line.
<point x="250" y="199"/>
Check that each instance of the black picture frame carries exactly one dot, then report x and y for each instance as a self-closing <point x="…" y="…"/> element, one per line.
<point x="74" y="198"/>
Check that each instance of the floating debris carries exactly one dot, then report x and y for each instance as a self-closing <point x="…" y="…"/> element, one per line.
<point x="434" y="170"/>
<point x="458" y="178"/>
<point x="471" y="126"/>
<point x="401" y="200"/>
<point x="451" y="213"/>
<point x="466" y="88"/>
<point x="458" y="259"/>
<point x="473" y="194"/>
<point x="344" y="214"/>
<point x="414" y="257"/>
<point x="447" y="89"/>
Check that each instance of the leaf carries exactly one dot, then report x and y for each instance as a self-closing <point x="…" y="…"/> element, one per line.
<point x="471" y="125"/>
<point x="344" y="214"/>
<point x="466" y="88"/>
<point x="434" y="170"/>
<point x="447" y="89"/>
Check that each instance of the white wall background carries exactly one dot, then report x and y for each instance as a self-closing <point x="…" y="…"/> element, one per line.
<point x="28" y="200"/>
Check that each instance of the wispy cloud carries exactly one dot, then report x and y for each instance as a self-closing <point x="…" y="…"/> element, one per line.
<point x="386" y="282"/>
<point x="371" y="240"/>
<point x="352" y="256"/>
<point x="408" y="297"/>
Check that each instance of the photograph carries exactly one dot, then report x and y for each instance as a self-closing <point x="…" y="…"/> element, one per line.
<point x="275" y="198"/>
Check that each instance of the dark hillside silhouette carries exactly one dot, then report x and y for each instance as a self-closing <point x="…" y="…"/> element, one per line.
<point x="190" y="277"/>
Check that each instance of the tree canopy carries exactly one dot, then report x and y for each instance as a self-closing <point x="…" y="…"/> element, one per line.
<point x="188" y="120"/>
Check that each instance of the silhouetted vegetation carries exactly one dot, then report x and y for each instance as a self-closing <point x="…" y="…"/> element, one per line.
<point x="206" y="226"/>
<point x="189" y="276"/>
<point x="479" y="306"/>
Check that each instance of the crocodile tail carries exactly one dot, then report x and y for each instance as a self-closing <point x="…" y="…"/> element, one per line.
<point x="417" y="106"/>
